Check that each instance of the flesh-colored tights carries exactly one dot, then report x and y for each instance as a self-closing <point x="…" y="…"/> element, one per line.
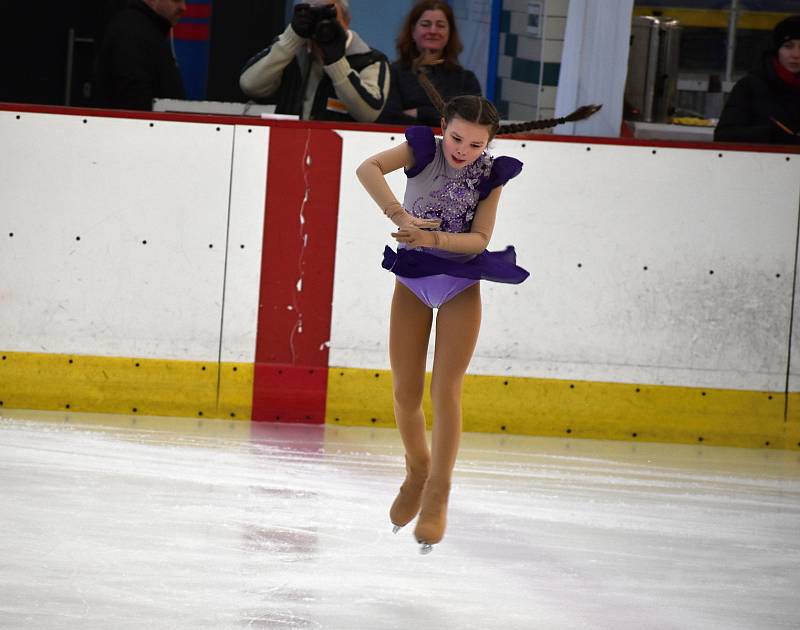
<point x="457" y="325"/>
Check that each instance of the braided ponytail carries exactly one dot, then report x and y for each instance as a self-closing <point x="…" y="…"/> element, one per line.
<point x="579" y="114"/>
<point x="476" y="109"/>
<point x="430" y="89"/>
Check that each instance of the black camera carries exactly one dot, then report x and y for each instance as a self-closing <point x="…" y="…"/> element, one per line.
<point x="325" y="23"/>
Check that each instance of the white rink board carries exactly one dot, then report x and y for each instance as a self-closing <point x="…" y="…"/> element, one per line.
<point x="794" y="371"/>
<point x="613" y="210"/>
<point x="115" y="183"/>
<point x="245" y="239"/>
<point x="362" y="289"/>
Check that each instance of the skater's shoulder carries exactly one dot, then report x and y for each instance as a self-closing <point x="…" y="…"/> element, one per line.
<point x="504" y="169"/>
<point x="423" y="146"/>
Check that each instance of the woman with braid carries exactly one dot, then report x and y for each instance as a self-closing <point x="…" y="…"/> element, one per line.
<point x="443" y="227"/>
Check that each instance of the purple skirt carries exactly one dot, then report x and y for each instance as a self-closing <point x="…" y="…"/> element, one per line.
<point x="494" y="266"/>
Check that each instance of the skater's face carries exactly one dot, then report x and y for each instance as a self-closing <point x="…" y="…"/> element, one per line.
<point x="170" y="10"/>
<point x="463" y="141"/>
<point x="789" y="55"/>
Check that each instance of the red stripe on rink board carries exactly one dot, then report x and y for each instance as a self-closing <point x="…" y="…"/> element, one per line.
<point x="291" y="371"/>
<point x="289" y="393"/>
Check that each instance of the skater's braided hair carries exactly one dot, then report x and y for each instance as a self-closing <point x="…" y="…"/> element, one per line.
<point x="478" y="110"/>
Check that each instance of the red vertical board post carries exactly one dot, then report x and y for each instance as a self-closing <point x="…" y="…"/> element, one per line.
<point x="294" y="315"/>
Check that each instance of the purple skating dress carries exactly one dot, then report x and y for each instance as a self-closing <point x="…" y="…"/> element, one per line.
<point x="436" y="190"/>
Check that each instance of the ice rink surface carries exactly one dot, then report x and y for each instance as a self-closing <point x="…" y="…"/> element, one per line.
<point x="136" y="523"/>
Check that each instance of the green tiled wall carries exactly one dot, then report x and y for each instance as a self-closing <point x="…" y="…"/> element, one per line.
<point x="529" y="65"/>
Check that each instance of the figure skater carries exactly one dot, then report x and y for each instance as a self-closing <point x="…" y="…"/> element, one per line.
<point x="443" y="227"/>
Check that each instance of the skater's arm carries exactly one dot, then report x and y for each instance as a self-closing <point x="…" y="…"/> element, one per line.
<point x="371" y="173"/>
<point x="472" y="242"/>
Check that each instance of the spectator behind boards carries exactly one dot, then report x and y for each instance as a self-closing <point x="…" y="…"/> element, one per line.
<point x="319" y="69"/>
<point x="136" y="63"/>
<point x="764" y="106"/>
<point x="429" y="37"/>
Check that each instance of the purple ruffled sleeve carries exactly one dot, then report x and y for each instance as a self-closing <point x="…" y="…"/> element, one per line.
<point x="423" y="146"/>
<point x="503" y="169"/>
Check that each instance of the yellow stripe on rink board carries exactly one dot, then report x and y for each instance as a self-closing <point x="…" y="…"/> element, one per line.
<point x="793" y="421"/>
<point x="150" y="387"/>
<point x="708" y="18"/>
<point x="584" y="409"/>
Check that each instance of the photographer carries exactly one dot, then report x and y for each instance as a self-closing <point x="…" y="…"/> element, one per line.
<point x="318" y="69"/>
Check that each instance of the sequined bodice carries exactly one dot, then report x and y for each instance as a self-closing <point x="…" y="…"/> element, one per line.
<point x="443" y="192"/>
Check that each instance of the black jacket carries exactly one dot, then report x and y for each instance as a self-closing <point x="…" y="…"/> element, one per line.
<point x="407" y="93"/>
<point x="754" y="100"/>
<point x="135" y="63"/>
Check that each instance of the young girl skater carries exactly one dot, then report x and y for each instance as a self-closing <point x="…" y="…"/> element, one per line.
<point x="443" y="227"/>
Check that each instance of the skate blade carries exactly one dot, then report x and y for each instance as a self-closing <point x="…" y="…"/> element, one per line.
<point x="396" y="528"/>
<point x="425" y="548"/>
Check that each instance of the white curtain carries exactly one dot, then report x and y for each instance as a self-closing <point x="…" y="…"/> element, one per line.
<point x="594" y="65"/>
<point x="474" y="21"/>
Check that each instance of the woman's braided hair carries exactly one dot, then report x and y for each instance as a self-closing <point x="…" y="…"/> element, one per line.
<point x="476" y="109"/>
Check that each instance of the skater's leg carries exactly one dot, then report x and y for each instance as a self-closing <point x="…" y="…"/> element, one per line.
<point x="409" y="332"/>
<point x="457" y="327"/>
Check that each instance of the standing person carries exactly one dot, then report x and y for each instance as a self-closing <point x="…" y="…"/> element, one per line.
<point x="764" y="106"/>
<point x="319" y="69"/>
<point x="136" y="62"/>
<point x="443" y="227"/>
<point x="429" y="37"/>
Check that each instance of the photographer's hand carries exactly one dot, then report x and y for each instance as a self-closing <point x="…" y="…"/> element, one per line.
<point x="303" y="21"/>
<point x="333" y="49"/>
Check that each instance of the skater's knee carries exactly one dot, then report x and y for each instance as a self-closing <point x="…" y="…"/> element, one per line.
<point x="446" y="393"/>
<point x="408" y="398"/>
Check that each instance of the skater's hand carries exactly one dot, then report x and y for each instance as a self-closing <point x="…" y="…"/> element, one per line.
<point x="415" y="237"/>
<point x="406" y="220"/>
<point x="421" y="224"/>
<point x="402" y="218"/>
